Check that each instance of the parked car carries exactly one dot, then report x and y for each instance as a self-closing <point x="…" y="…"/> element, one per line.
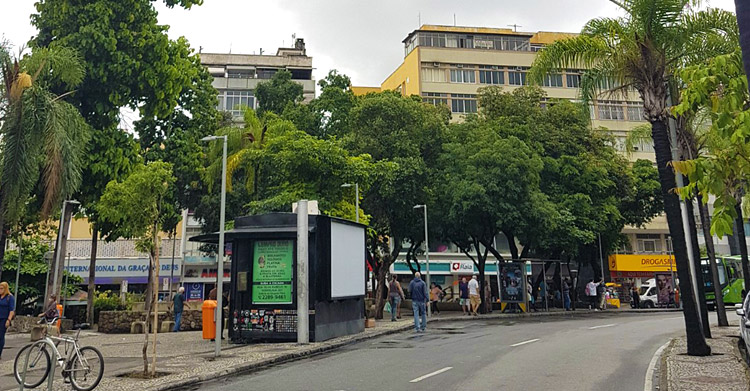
<point x="743" y="311"/>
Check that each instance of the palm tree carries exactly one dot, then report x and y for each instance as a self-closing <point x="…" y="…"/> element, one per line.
<point x="641" y="51"/>
<point x="43" y="137"/>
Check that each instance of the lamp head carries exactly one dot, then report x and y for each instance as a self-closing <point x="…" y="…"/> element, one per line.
<point x="209" y="138"/>
<point x="418" y="206"/>
<point x="346" y="185"/>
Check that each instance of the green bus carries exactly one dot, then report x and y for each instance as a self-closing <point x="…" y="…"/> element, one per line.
<point x="730" y="278"/>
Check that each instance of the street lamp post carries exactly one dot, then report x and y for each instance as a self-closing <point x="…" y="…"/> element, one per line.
<point x="58" y="250"/>
<point x="356" y="195"/>
<point x="426" y="254"/>
<point x="220" y="252"/>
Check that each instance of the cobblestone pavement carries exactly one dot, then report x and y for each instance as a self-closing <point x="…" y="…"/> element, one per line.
<point x="188" y="359"/>
<point x="724" y="370"/>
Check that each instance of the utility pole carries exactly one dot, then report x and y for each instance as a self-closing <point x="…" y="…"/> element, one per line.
<point x="303" y="303"/>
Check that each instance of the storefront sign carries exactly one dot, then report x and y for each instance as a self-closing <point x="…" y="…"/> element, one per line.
<point x="194" y="291"/>
<point x="641" y="263"/>
<point x="513" y="282"/>
<point x="461" y="267"/>
<point x="272" y="272"/>
<point x="113" y="271"/>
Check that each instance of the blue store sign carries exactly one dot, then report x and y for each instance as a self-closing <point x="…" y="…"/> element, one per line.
<point x="194" y="291"/>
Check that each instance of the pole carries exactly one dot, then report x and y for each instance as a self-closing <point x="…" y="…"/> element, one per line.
<point x="220" y="253"/>
<point x="671" y="271"/>
<point x="65" y="302"/>
<point x="684" y="213"/>
<point x="171" y="271"/>
<point x="356" y="203"/>
<point x="601" y="256"/>
<point x="303" y="303"/>
<point x="427" y="258"/>
<point x="18" y="266"/>
<point x="546" y="287"/>
<point x="58" y="249"/>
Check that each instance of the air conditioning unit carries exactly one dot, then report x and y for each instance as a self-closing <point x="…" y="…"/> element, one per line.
<point x="494" y="67"/>
<point x="436" y="64"/>
<point x="459" y="65"/>
<point x="518" y="68"/>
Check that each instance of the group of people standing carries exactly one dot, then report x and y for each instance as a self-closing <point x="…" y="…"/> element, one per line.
<point x="595" y="293"/>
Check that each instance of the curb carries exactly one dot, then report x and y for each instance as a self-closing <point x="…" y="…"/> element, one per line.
<point x="251" y="367"/>
<point x="654" y="368"/>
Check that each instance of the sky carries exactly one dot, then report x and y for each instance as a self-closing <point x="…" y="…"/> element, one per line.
<point x="359" y="38"/>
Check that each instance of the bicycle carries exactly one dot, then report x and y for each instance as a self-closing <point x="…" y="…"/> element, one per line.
<point x="83" y="366"/>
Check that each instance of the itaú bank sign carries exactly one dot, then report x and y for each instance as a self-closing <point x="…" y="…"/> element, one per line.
<point x="640" y="265"/>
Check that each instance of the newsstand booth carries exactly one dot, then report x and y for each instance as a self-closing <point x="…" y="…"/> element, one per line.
<point x="263" y="297"/>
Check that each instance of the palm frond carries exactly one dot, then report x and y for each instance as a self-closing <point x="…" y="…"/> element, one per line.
<point x="638" y="135"/>
<point x="59" y="63"/>
<point x="577" y="52"/>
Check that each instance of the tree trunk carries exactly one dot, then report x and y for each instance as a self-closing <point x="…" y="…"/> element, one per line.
<point x="743" y="20"/>
<point x="156" y="295"/>
<point x="743" y="246"/>
<point x="381" y="292"/>
<point x="3" y="239"/>
<point x="718" y="295"/>
<point x="512" y="245"/>
<point x="699" y="273"/>
<point x="149" y="299"/>
<point x="92" y="275"/>
<point x="696" y="342"/>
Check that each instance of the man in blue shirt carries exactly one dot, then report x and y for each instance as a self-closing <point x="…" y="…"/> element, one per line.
<point x="179" y="305"/>
<point x="418" y="292"/>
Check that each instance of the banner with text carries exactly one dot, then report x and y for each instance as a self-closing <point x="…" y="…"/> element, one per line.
<point x="272" y="271"/>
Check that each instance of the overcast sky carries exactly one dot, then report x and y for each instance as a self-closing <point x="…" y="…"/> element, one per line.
<point x="360" y="38"/>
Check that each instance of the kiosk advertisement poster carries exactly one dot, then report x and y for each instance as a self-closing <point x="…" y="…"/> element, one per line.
<point x="664" y="288"/>
<point x="272" y="271"/>
<point x="512" y="287"/>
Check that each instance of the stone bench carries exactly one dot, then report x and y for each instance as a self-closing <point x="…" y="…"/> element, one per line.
<point x="138" y="327"/>
<point x="166" y="326"/>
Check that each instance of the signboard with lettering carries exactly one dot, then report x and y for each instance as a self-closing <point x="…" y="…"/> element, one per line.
<point x="462" y="267"/>
<point x="647" y="263"/>
<point x="113" y="271"/>
<point x="272" y="271"/>
<point x="194" y="291"/>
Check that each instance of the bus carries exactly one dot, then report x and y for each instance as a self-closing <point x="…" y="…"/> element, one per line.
<point x="730" y="278"/>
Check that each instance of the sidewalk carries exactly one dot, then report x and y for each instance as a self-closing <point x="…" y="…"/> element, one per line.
<point x="189" y="359"/>
<point x="724" y="370"/>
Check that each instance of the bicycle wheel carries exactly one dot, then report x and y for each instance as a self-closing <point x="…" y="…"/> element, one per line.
<point x="39" y="365"/>
<point x="87" y="369"/>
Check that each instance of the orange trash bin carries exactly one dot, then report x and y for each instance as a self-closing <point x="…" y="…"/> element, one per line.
<point x="59" y="320"/>
<point x="209" y="319"/>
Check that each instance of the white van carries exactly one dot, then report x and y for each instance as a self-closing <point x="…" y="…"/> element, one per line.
<point x="648" y="293"/>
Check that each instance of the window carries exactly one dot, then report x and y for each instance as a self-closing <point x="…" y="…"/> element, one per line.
<point x="635" y="111"/>
<point x="240" y="74"/>
<point x="233" y="101"/>
<point x="573" y="78"/>
<point x="266" y="73"/>
<point x="433" y="75"/>
<point x="517" y="76"/>
<point x="609" y="110"/>
<point x="489" y="76"/>
<point x="535" y="47"/>
<point x="463" y="76"/>
<point x="648" y="243"/>
<point x="463" y="103"/>
<point x="553" y="80"/>
<point x="435" y="98"/>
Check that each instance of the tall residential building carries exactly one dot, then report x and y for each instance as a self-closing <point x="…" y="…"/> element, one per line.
<point x="237" y="75"/>
<point x="448" y="64"/>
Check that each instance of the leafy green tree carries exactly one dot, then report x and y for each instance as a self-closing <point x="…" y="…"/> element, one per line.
<point x="328" y="114"/>
<point x="404" y="137"/>
<point x="642" y="51"/>
<point x="43" y="136"/>
<point x="275" y="94"/>
<point x="134" y="205"/>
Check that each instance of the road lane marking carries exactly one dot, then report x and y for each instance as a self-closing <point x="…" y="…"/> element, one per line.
<point x="602" y="326"/>
<point x="439" y="371"/>
<point x="525" y="342"/>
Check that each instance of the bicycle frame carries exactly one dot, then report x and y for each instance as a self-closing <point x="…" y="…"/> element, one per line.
<point x="51" y="375"/>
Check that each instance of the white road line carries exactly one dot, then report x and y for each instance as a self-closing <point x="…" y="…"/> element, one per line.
<point x="602" y="326"/>
<point x="525" y="342"/>
<point x="439" y="371"/>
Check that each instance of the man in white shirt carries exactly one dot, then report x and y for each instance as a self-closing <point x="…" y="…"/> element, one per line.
<point x="474" y="295"/>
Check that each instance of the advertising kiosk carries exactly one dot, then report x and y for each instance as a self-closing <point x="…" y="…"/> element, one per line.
<point x="262" y="297"/>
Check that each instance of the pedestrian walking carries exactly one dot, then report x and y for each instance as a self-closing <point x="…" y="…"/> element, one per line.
<point x="591" y="294"/>
<point x="566" y="294"/>
<point x="463" y="295"/>
<point x="7" y="312"/>
<point x="395" y="295"/>
<point x="418" y="291"/>
<point x="178" y="305"/>
<point x="435" y="295"/>
<point x="601" y="291"/>
<point x="636" y="297"/>
<point x="474" y="295"/>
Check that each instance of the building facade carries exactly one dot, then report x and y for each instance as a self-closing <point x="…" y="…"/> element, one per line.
<point x="237" y="75"/>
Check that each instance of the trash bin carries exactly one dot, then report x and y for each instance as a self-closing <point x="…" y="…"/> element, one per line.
<point x="209" y="319"/>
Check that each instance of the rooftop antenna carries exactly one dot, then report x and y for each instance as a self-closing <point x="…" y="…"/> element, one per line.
<point x="454" y="20"/>
<point x="200" y="49"/>
<point x="515" y="27"/>
<point x="230" y="48"/>
<point x="419" y="19"/>
<point x="261" y="51"/>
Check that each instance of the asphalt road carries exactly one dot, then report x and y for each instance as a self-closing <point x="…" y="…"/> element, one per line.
<point x="600" y="352"/>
